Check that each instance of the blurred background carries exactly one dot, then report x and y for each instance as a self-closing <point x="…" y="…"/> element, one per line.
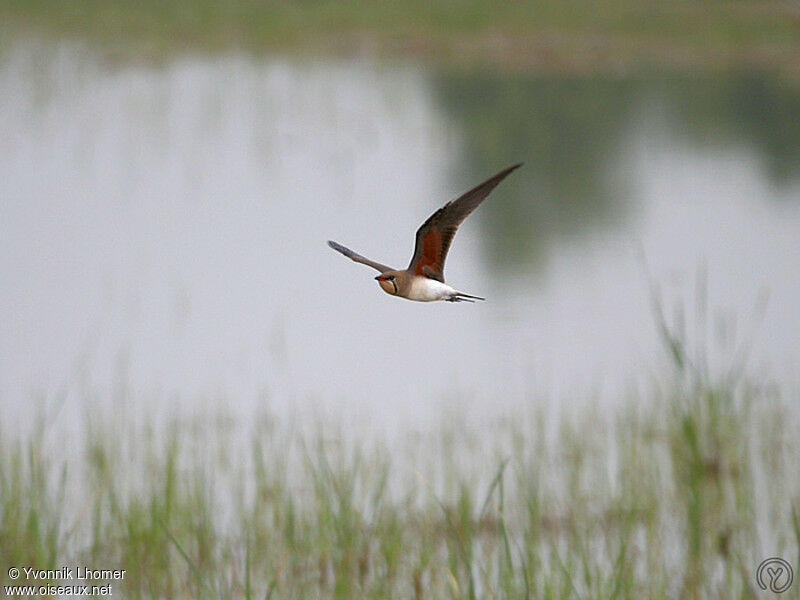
<point x="170" y="172"/>
<point x="195" y="388"/>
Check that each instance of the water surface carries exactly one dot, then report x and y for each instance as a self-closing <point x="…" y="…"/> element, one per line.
<point x="163" y="233"/>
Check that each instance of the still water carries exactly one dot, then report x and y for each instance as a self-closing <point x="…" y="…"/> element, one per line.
<point x="163" y="234"/>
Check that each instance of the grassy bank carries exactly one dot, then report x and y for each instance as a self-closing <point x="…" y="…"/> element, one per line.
<point x="581" y="36"/>
<point x="679" y="493"/>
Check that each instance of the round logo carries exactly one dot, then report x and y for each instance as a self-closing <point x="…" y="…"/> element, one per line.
<point x="774" y="574"/>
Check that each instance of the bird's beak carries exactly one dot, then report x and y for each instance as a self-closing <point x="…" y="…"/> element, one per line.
<point x="380" y="278"/>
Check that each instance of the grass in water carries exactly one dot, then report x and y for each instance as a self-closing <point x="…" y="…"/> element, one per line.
<point x="678" y="492"/>
<point x="576" y="36"/>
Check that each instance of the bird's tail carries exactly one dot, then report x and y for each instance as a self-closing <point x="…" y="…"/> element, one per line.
<point x="462" y="297"/>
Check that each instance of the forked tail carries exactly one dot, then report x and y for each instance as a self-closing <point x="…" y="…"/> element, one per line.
<point x="462" y="297"/>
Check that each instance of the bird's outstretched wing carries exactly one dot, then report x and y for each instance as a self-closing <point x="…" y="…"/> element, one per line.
<point x="358" y="258"/>
<point x="435" y="234"/>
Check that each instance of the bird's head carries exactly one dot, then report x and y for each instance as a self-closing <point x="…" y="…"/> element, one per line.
<point x="388" y="282"/>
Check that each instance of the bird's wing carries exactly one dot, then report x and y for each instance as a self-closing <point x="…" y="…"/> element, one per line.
<point x="435" y="234"/>
<point x="358" y="258"/>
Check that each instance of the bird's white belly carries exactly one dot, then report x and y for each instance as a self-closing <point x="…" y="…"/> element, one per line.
<point x="424" y="289"/>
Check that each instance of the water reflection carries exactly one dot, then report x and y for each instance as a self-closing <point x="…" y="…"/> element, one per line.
<point x="751" y="109"/>
<point x="164" y="228"/>
<point x="575" y="132"/>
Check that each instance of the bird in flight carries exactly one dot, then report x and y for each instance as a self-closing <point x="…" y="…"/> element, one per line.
<point x="423" y="280"/>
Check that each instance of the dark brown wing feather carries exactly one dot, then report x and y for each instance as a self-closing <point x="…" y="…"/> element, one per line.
<point x="435" y="234"/>
<point x="358" y="258"/>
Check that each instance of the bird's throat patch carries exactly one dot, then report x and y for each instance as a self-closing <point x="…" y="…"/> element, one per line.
<point x="390" y="287"/>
